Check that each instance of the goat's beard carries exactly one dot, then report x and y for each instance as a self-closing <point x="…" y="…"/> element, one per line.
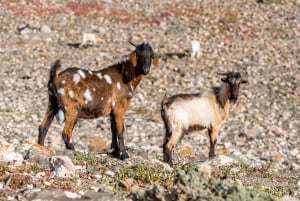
<point x="233" y="100"/>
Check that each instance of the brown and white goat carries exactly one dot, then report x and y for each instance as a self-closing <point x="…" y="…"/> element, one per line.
<point x="78" y="93"/>
<point x="209" y="109"/>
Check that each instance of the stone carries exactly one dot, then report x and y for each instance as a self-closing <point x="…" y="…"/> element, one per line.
<point x="205" y="168"/>
<point x="97" y="144"/>
<point x="12" y="158"/>
<point x="62" y="166"/>
<point x="45" y="29"/>
<point x="39" y="154"/>
<point x="21" y="27"/>
<point x="222" y="160"/>
<point x="55" y="194"/>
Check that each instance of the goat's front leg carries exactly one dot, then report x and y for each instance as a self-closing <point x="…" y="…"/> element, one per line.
<point x="167" y="148"/>
<point x="117" y="125"/>
<point x="212" y="133"/>
<point x="43" y="128"/>
<point x="114" y="131"/>
<point x="173" y="136"/>
<point x="70" y="123"/>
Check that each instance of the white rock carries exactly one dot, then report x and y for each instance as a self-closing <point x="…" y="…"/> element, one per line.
<point x="11" y="157"/>
<point x="45" y="29"/>
<point x="110" y="173"/>
<point x="288" y="198"/>
<point x="62" y="166"/>
<point x="166" y="166"/>
<point x="223" y="160"/>
<point x="71" y="195"/>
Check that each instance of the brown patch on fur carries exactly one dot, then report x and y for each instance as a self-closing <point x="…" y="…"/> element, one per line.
<point x="194" y="128"/>
<point x="222" y="95"/>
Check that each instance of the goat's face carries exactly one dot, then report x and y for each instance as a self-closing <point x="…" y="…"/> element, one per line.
<point x="144" y="57"/>
<point x="233" y="79"/>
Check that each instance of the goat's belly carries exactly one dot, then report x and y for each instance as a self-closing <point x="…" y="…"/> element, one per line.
<point x="92" y="113"/>
<point x="194" y="112"/>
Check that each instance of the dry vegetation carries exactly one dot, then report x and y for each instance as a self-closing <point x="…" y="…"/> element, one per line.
<point x="258" y="38"/>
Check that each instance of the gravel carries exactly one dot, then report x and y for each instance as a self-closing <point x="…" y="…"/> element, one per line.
<point x="261" y="40"/>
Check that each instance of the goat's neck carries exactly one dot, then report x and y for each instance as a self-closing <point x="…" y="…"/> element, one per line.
<point x="223" y="95"/>
<point x="131" y="75"/>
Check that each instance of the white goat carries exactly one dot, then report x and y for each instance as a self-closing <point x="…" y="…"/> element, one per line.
<point x="195" y="49"/>
<point x="91" y="38"/>
<point x="209" y="109"/>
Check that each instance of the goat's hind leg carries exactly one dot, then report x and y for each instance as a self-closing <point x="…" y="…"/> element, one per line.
<point x="212" y="133"/>
<point x="70" y="123"/>
<point x="43" y="128"/>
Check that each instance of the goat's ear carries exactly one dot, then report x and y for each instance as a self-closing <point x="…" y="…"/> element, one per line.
<point x="155" y="60"/>
<point x="132" y="58"/>
<point x="244" y="81"/>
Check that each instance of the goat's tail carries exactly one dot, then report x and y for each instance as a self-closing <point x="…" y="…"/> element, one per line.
<point x="53" y="70"/>
<point x="162" y="108"/>
<point x="53" y="74"/>
<point x="164" y="115"/>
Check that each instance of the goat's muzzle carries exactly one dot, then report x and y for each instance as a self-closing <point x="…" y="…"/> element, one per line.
<point x="146" y="69"/>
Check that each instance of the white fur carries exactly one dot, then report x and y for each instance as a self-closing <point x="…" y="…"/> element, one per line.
<point x="71" y="94"/>
<point x="195" y="49"/>
<point x="90" y="72"/>
<point x="61" y="91"/>
<point x="87" y="95"/>
<point x="76" y="78"/>
<point x="82" y="74"/>
<point x="191" y="112"/>
<point x="90" y="37"/>
<point x="60" y="116"/>
<point x="99" y="76"/>
<point x="108" y="79"/>
<point x="118" y="86"/>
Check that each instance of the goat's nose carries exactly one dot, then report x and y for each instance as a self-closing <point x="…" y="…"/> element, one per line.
<point x="145" y="69"/>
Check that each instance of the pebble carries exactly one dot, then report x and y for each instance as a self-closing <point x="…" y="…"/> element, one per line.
<point x="260" y="44"/>
<point x="15" y="159"/>
<point x="62" y="166"/>
<point x="45" y="29"/>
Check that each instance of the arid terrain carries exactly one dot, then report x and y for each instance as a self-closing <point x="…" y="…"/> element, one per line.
<point x="260" y="140"/>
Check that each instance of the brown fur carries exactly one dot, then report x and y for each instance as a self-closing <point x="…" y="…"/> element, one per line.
<point x="93" y="96"/>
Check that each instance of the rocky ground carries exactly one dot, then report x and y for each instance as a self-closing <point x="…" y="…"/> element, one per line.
<point x="260" y="141"/>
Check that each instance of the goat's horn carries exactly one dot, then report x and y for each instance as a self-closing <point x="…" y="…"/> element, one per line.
<point x="132" y="44"/>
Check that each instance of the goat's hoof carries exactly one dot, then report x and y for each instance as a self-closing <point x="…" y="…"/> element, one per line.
<point x="41" y="143"/>
<point x="124" y="155"/>
<point x="115" y="153"/>
<point x="211" y="156"/>
<point x="168" y="162"/>
<point x="70" y="146"/>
